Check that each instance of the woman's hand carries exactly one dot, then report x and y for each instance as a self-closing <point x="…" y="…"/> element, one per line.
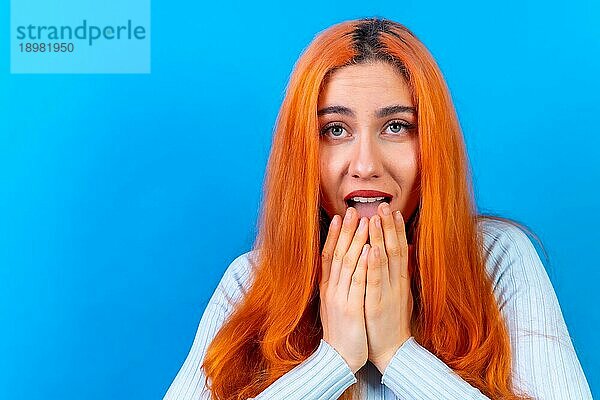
<point x="388" y="299"/>
<point x="342" y="288"/>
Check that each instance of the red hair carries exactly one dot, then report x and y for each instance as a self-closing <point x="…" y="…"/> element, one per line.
<point x="276" y="325"/>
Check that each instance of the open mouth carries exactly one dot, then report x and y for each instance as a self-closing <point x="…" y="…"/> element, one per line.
<point x="352" y="203"/>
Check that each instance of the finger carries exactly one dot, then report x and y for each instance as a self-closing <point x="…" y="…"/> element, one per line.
<point x="394" y="248"/>
<point x="356" y="294"/>
<point x="329" y="247"/>
<point x="376" y="239"/>
<point x="374" y="275"/>
<point x="350" y="259"/>
<point x="403" y="272"/>
<point x="343" y="242"/>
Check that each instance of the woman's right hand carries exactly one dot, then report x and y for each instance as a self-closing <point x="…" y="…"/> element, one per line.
<point x="342" y="288"/>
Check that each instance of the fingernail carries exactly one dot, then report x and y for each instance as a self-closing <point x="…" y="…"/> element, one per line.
<point x="361" y="224"/>
<point x="386" y="209"/>
<point x="398" y="216"/>
<point x="377" y="221"/>
<point x="335" y="221"/>
<point x="348" y="215"/>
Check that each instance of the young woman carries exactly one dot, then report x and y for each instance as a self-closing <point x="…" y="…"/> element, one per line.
<point x="412" y="294"/>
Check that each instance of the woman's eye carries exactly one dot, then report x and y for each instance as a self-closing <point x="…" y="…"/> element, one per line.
<point x="335" y="129"/>
<point x="397" y="126"/>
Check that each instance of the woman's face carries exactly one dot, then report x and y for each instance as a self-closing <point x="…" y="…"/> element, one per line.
<point x="368" y="140"/>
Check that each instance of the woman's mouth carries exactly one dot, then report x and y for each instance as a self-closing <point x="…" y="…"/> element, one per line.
<point x="367" y="206"/>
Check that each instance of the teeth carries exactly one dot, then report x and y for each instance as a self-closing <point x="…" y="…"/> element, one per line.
<point x="366" y="199"/>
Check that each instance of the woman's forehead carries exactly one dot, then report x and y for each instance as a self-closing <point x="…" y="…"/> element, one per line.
<point x="365" y="87"/>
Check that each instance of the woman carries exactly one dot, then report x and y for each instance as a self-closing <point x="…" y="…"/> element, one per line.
<point x="444" y="304"/>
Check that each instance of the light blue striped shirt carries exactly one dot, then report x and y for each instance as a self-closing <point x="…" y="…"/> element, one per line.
<point x="542" y="367"/>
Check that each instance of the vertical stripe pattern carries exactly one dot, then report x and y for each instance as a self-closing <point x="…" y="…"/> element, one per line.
<point x="545" y="364"/>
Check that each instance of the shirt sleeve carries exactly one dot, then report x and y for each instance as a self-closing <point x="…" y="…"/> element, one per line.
<point x="544" y="368"/>
<point x="545" y="364"/>
<point x="324" y="375"/>
<point x="417" y="374"/>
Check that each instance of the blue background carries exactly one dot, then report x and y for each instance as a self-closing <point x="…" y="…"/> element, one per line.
<point x="123" y="198"/>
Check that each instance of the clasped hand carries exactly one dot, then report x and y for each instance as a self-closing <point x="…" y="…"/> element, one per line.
<point x="365" y="294"/>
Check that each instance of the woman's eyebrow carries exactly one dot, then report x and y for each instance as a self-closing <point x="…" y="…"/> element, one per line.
<point x="382" y="112"/>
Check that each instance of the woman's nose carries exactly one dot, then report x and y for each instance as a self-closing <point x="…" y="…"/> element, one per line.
<point x="365" y="160"/>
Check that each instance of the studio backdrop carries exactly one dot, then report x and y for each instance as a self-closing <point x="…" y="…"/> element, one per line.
<point x="132" y="162"/>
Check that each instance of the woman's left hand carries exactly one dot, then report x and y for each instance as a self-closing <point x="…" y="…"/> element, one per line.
<point x="388" y="297"/>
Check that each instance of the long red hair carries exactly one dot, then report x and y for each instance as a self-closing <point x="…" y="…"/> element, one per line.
<point x="276" y="325"/>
